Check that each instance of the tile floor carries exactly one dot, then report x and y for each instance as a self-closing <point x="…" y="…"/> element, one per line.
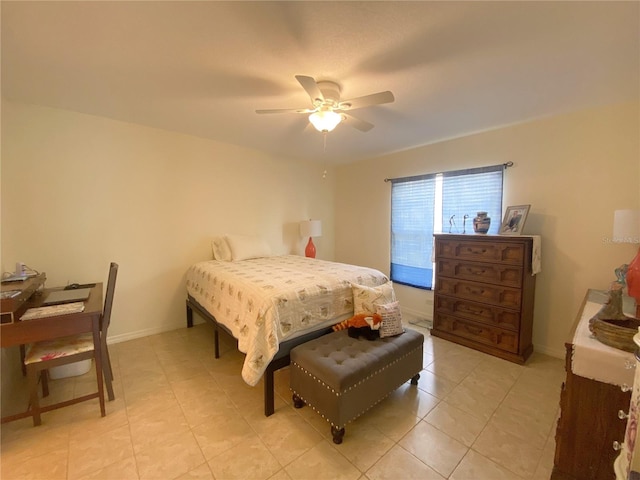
<point x="179" y="413"/>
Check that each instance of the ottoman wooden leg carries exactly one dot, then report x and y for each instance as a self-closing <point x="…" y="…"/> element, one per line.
<point x="337" y="433"/>
<point x="415" y="378"/>
<point x="297" y="401"/>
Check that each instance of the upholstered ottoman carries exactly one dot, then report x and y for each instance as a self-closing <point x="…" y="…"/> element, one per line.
<point x="341" y="377"/>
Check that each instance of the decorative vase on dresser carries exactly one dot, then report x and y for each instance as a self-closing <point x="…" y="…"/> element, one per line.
<point x="481" y="223"/>
<point x="484" y="293"/>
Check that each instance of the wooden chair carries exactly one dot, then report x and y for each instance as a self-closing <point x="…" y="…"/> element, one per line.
<point x="41" y="356"/>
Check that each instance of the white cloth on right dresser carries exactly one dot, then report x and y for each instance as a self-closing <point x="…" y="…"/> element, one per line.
<point x="595" y="360"/>
<point x="536" y="255"/>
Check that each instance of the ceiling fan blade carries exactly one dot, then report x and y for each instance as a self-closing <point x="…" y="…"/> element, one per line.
<point x="311" y="87"/>
<point x="368" y="100"/>
<point x="286" y="110"/>
<point x="357" y="123"/>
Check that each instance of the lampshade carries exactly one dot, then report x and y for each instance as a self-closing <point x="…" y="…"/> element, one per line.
<point x="311" y="228"/>
<point x="325" y="120"/>
<point x="626" y="226"/>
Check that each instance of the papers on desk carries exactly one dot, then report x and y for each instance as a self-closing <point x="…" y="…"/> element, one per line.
<point x="53" y="310"/>
<point x="9" y="294"/>
<point x="14" y="278"/>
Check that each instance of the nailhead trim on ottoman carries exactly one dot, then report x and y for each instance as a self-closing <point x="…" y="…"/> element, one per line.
<point x="342" y="377"/>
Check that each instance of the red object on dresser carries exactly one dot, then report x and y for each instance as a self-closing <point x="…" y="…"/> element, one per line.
<point x="633" y="281"/>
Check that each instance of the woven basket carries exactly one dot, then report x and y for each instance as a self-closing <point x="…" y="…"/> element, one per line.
<point x="616" y="333"/>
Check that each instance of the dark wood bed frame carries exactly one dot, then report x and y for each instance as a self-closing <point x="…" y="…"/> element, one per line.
<point x="280" y="360"/>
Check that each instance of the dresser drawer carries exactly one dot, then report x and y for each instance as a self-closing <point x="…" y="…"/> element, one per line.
<point x="478" y="312"/>
<point x="509" y="275"/>
<point x="503" y="252"/>
<point x="484" y="293"/>
<point x="505" y="297"/>
<point x="492" y="336"/>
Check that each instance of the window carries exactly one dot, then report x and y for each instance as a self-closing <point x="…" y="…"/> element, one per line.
<point x="437" y="203"/>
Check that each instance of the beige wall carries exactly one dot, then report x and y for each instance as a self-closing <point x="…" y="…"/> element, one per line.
<point x="79" y="191"/>
<point x="573" y="169"/>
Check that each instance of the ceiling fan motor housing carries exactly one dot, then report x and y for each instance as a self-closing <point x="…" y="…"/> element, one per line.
<point x="331" y="92"/>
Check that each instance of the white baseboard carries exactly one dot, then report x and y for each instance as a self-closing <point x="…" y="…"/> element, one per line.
<point x="409" y="315"/>
<point x="426" y="317"/>
<point x="552" y="352"/>
<point x="138" y="334"/>
<point x="415" y="316"/>
<point x="149" y="331"/>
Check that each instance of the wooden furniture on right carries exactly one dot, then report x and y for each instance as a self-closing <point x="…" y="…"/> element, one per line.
<point x="590" y="421"/>
<point x="627" y="464"/>
<point x="484" y="293"/>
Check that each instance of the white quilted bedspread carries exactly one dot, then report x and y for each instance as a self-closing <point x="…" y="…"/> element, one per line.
<point x="264" y="301"/>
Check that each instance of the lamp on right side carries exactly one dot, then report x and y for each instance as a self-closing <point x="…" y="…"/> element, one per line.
<point x="626" y="229"/>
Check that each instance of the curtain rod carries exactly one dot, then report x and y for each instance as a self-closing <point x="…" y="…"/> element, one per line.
<point x="504" y="165"/>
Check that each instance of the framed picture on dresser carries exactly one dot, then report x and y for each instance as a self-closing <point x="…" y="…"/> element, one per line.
<point x="514" y="218"/>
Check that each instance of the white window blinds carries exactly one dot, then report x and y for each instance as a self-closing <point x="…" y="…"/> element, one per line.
<point x="436" y="203"/>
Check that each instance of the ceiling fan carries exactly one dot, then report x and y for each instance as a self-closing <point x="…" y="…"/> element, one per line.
<point x="328" y="110"/>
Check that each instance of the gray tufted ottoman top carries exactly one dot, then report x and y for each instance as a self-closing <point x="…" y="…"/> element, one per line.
<point x="341" y="361"/>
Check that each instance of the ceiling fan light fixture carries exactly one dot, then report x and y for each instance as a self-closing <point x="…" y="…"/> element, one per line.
<point x="325" y="120"/>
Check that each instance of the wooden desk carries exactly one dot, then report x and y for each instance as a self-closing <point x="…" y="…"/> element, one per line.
<point x="50" y="328"/>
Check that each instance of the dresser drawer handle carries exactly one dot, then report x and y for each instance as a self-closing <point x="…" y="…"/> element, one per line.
<point x="478" y="272"/>
<point x="476" y="311"/>
<point x="617" y="445"/>
<point x="476" y="250"/>
<point x="475" y="292"/>
<point x="625" y="388"/>
<point x="475" y="331"/>
<point x="622" y="415"/>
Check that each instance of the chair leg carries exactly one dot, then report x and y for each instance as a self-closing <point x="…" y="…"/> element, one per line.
<point x="23" y="351"/>
<point x="32" y="380"/>
<point x="44" y="378"/>
<point x="99" y="378"/>
<point x="108" y="373"/>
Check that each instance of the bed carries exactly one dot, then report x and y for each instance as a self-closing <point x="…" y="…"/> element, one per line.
<point x="273" y="303"/>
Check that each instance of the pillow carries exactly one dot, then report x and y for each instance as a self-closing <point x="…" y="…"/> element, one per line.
<point x="220" y="249"/>
<point x="243" y="247"/>
<point x="391" y="319"/>
<point x="365" y="297"/>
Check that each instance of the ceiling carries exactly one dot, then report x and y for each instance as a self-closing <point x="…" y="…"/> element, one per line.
<point x="203" y="68"/>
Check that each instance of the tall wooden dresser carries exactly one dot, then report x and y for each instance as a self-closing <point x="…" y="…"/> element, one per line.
<point x="484" y="293"/>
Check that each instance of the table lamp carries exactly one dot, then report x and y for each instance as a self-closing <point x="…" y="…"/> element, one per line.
<point x="626" y="229"/>
<point x="310" y="228"/>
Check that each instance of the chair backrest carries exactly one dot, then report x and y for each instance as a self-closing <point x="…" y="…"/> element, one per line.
<point x="108" y="299"/>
